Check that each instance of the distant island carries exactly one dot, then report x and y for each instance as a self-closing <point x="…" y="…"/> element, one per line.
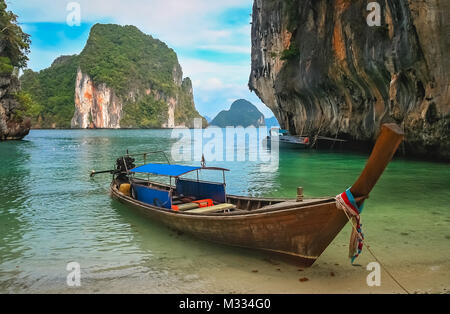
<point x="122" y="79"/>
<point x="242" y="113"/>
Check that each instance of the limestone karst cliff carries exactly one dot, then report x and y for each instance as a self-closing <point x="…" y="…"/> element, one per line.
<point x="123" y="78"/>
<point x="96" y="105"/>
<point x="14" y="47"/>
<point x="321" y="68"/>
<point x="12" y="126"/>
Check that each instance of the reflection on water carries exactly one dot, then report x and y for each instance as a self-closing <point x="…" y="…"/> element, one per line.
<point x="52" y="213"/>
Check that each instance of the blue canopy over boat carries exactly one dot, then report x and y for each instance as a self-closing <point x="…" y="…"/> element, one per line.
<point x="170" y="170"/>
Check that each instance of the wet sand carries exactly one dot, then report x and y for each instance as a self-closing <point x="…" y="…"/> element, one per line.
<point x="239" y="271"/>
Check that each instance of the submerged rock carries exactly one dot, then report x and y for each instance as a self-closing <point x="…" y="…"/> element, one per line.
<point x="321" y="68"/>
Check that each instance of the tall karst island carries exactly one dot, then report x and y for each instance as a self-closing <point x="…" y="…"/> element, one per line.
<point x="122" y="79"/>
<point x="322" y="68"/>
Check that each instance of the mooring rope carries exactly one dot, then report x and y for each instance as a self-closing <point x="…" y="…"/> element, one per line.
<point x="373" y="255"/>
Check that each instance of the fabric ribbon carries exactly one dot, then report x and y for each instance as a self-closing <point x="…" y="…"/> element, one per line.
<point x="347" y="203"/>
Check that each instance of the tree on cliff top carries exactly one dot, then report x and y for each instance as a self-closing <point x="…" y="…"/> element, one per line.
<point x="123" y="57"/>
<point x="14" y="43"/>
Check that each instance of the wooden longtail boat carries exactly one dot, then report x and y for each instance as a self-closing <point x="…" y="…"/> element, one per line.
<point x="297" y="228"/>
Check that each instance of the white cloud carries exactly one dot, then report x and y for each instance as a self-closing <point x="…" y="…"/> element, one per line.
<point x="201" y="70"/>
<point x="227" y="48"/>
<point x="212" y="83"/>
<point x="173" y="21"/>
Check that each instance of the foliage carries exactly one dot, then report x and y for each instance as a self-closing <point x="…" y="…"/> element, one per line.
<point x="15" y="44"/>
<point x="292" y="53"/>
<point x="185" y="112"/>
<point x="54" y="90"/>
<point x="124" y="57"/>
<point x="6" y="67"/>
<point x="28" y="108"/>
<point x="147" y="113"/>
<point x="14" y="47"/>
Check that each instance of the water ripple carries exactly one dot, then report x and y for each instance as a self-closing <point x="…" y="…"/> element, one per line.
<point x="52" y="213"/>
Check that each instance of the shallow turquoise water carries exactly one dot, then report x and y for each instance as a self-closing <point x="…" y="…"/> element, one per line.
<point x="52" y="213"/>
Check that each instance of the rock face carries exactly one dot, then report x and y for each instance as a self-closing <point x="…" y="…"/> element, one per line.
<point x="322" y="69"/>
<point x="11" y="126"/>
<point x="242" y="113"/>
<point x="96" y="106"/>
<point x="123" y="78"/>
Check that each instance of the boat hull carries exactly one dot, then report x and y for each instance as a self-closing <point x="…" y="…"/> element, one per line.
<point x="299" y="231"/>
<point x="285" y="144"/>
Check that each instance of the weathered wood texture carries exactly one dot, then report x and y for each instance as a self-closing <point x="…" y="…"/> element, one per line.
<point x="302" y="230"/>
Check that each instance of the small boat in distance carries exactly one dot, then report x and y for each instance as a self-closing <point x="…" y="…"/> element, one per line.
<point x="299" y="228"/>
<point x="285" y="139"/>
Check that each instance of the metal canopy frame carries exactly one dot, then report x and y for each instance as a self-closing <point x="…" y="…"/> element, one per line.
<point x="195" y="169"/>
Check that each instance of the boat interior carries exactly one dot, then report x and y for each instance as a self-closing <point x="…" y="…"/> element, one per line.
<point x="187" y="195"/>
<point x="201" y="197"/>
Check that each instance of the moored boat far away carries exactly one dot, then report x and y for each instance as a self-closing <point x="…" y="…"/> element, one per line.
<point x="284" y="138"/>
<point x="300" y="229"/>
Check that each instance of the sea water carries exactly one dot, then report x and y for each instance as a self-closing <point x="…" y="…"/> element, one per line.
<point x="52" y="213"/>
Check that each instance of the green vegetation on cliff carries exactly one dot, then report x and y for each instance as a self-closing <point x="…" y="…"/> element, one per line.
<point x="126" y="60"/>
<point x="14" y="48"/>
<point x="6" y="67"/>
<point x="124" y="57"/>
<point x="147" y="113"/>
<point x="53" y="91"/>
<point x="186" y="111"/>
<point x="15" y="44"/>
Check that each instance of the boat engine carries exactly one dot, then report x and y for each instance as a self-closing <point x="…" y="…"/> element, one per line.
<point x="124" y="164"/>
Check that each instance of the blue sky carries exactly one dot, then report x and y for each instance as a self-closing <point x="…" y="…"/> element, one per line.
<point x="211" y="38"/>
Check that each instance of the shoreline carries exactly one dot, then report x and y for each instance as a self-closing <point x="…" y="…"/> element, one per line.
<point x="252" y="274"/>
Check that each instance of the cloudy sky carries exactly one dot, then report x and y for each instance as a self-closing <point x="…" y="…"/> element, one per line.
<point x="211" y="38"/>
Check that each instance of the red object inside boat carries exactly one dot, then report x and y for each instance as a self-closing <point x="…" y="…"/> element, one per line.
<point x="204" y="203"/>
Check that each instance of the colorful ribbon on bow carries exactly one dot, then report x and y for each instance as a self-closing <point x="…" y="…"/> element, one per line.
<point x="347" y="203"/>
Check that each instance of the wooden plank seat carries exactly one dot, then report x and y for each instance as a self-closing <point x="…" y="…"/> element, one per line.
<point x="185" y="207"/>
<point x="211" y="209"/>
<point x="179" y="205"/>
